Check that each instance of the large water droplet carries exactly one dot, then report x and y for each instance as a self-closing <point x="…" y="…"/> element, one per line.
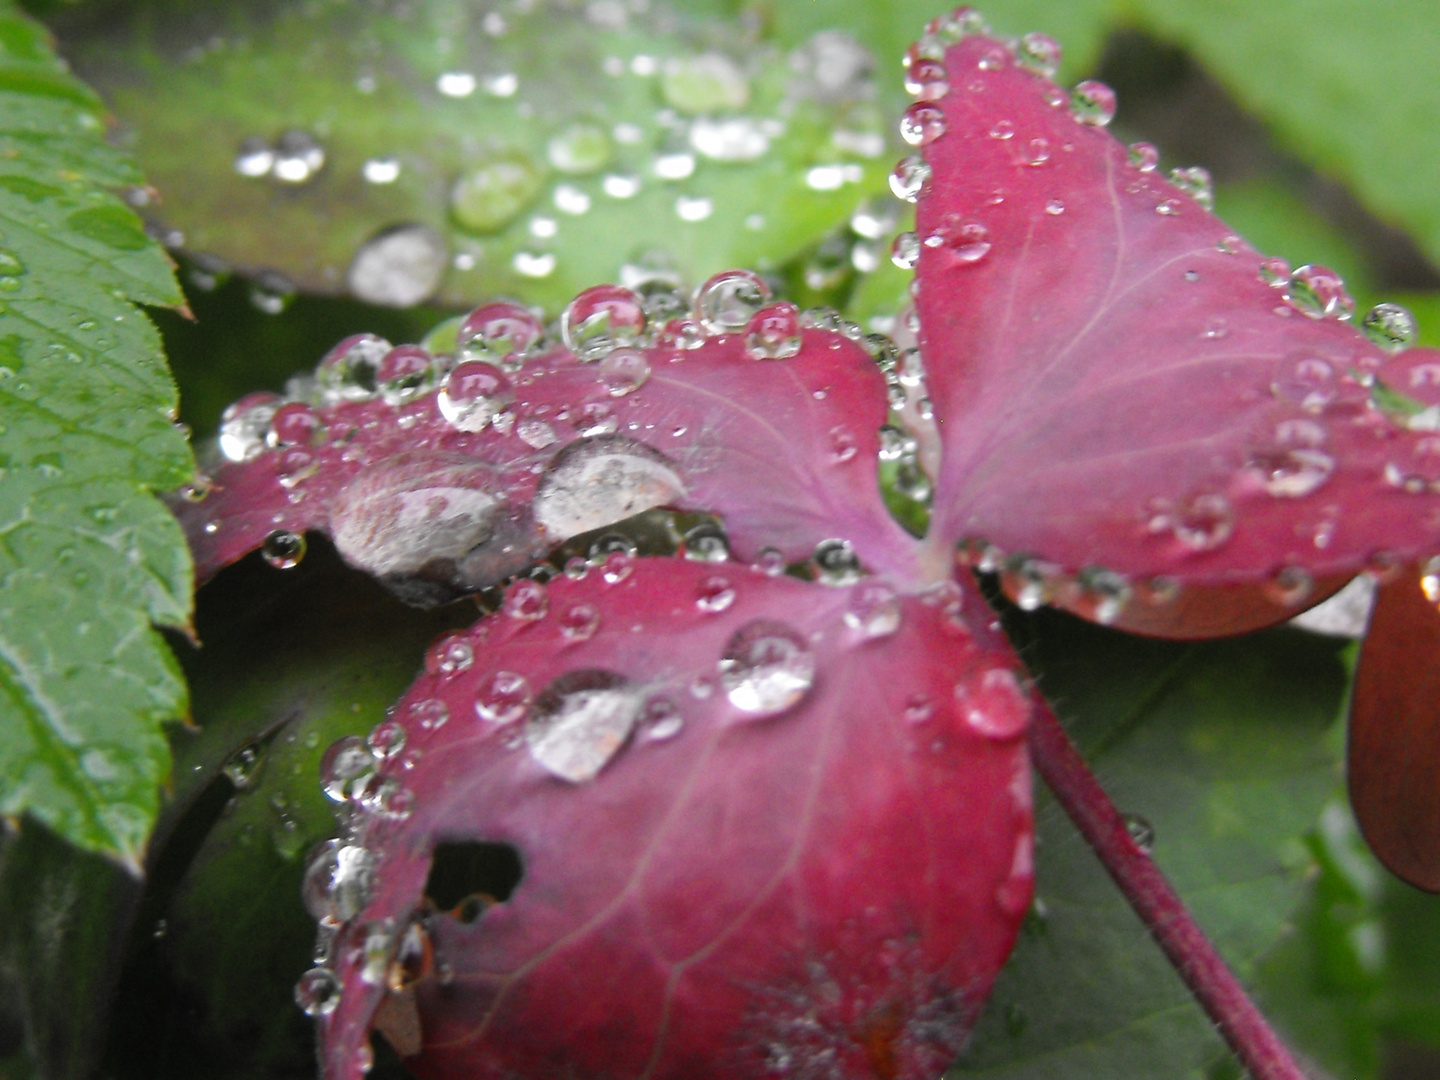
<point x="283" y="550"/>
<point x="767" y="667"/>
<point x="623" y="371"/>
<point x="729" y="300"/>
<point x="1308" y="382"/>
<point x="348" y="371"/>
<point x="344" y="762"/>
<point x="502" y="697"/>
<point x="905" y="251"/>
<point x="708" y="83"/>
<point x="706" y="542"/>
<point x="295" y="424"/>
<point x="1144" y="156"/>
<point x="1292" y="473"/>
<point x="1319" y="292"/>
<point x="927" y="80"/>
<point x="298" y="157"/>
<point x="580" y="149"/>
<point x="922" y="124"/>
<point x="578" y="622"/>
<point x="492" y="193"/>
<point x="966" y="242"/>
<point x="1196" y="183"/>
<point x="339" y="881"/>
<point x="502" y="334"/>
<point x="472" y="394"/>
<point x="1040" y="54"/>
<point x="1092" y="103"/>
<point x="318" y="992"/>
<point x="580" y="721"/>
<point x="774" y="332"/>
<point x="992" y="704"/>
<point x="836" y="563"/>
<point x="598" y="481"/>
<point x="399" y="267"/>
<point x="404" y="374"/>
<point x="873" y="610"/>
<point x="601" y="319"/>
<point x="245" y="425"/>
<point x="909" y="178"/>
<point x="1390" y="326"/>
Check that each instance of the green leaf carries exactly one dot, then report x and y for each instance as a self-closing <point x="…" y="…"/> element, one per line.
<point x="292" y="660"/>
<point x="89" y="559"/>
<point x="528" y="152"/>
<point x="1222" y="748"/>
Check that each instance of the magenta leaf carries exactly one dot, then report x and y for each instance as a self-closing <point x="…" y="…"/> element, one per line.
<point x="1127" y="391"/>
<point x="452" y="473"/>
<point x="762" y="826"/>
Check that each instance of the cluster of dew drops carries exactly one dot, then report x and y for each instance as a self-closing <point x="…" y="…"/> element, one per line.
<point x="1294" y="464"/>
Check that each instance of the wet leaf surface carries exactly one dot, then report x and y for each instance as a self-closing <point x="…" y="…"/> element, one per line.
<point x="1151" y="402"/>
<point x="458" y="150"/>
<point x="461" y="486"/>
<point x="90" y="559"/>
<point x="737" y="849"/>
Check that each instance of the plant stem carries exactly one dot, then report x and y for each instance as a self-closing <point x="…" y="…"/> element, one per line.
<point x="1156" y="902"/>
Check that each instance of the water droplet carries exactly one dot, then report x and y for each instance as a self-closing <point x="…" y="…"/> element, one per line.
<point x="1054" y="207"/>
<point x="706" y="542"/>
<point x="1196" y="183"/>
<point x="381" y="170"/>
<point x="773" y="333"/>
<point x="1319" y="292"/>
<point x="1040" y="54"/>
<point x="580" y="149"/>
<point x="399" y="267"/>
<point x="533" y="264"/>
<point x="708" y="83"/>
<point x="918" y="708"/>
<point x="580" y="721"/>
<point x="966" y="242"/>
<point x="731" y="138"/>
<point x="1308" y="382"/>
<point x="1390" y="326"/>
<point x="283" y="550"/>
<point x="255" y="157"/>
<point x="996" y="58"/>
<point x="1204" y="522"/>
<point x="1292" y="473"/>
<point x="873" y="610"/>
<point x="526" y="600"/>
<point x="1290" y="586"/>
<point x="472" y="394"/>
<point x="404" y="374"/>
<point x="502" y="697"/>
<point x="842" y="445"/>
<point x="492" y="193"/>
<point x="623" y="371"/>
<point x="729" y="300"/>
<point x="1103" y="593"/>
<point x="660" y="720"/>
<point x="345" y="760"/>
<point x="1092" y="103"/>
<point x="242" y="767"/>
<point x="1168" y="207"/>
<point x="450" y="656"/>
<point x="578" y="622"/>
<point x="714" y="594"/>
<point x="1140" y="830"/>
<point x="456" y="84"/>
<point x="295" y="424"/>
<point x="298" y="157"/>
<point x="601" y="480"/>
<point x="245" y="425"/>
<point x="348" y="371"/>
<point x="617" y="566"/>
<point x="569" y="199"/>
<point x="429" y="714"/>
<point x="927" y="80"/>
<point x="767" y="667"/>
<point x="536" y="434"/>
<point x="1215" y="328"/>
<point x="909" y="178"/>
<point x="922" y="124"/>
<point x="339" y="881"/>
<point x="601" y="319"/>
<point x="1036" y="152"/>
<point x="505" y="335"/>
<point x="386" y="740"/>
<point x="993" y="705"/>
<point x="905" y="251"/>
<point x="318" y="992"/>
<point x="836" y="563"/>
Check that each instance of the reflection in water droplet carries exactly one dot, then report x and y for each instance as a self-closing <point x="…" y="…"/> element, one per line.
<point x="1040" y="54"/>
<point x="1196" y="183"/>
<point x="873" y="610"/>
<point x="766" y="668"/>
<point x="905" y="251"/>
<point x="1390" y="326"/>
<point x="283" y="550"/>
<point x="580" y="149"/>
<point x="729" y="300"/>
<point x="597" y="481"/>
<point x="1308" y="382"/>
<point x="773" y="333"/>
<point x="660" y="720"/>
<point x="1319" y="292"/>
<point x="706" y="542"/>
<point x="1092" y="103"/>
<point x="714" y="594"/>
<point x="472" y="394"/>
<point x="404" y="374"/>
<point x="1141" y="831"/>
<point x="1290" y="586"/>
<point x="348" y="371"/>
<point x="836" y="563"/>
<point x="502" y="697"/>
<point x="601" y="319"/>
<point x="909" y="178"/>
<point x="922" y="124"/>
<point x="578" y="622"/>
<point x="992" y="704"/>
<point x="344" y="761"/>
<point x="580" y="721"/>
<point x="298" y="157"/>
<point x="245" y="424"/>
<point x="1292" y="473"/>
<point x="318" y="992"/>
<point x="623" y="371"/>
<point x="339" y="881"/>
<point x="1204" y="523"/>
<point x="429" y="714"/>
<point x="399" y="267"/>
<point x="526" y="600"/>
<point x="927" y="80"/>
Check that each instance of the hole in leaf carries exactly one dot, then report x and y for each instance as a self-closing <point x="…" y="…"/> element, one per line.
<point x="466" y="877"/>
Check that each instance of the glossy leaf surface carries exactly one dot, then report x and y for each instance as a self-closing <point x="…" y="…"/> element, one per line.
<point x="1119" y="387"/>
<point x="784" y="451"/>
<point x="743" y="847"/>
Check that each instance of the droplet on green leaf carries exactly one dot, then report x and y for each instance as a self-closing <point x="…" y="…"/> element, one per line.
<point x="492" y="194"/>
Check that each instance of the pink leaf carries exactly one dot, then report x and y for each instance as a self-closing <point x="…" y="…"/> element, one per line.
<point x="462" y="474"/>
<point x="1119" y="388"/>
<point x="764" y="825"/>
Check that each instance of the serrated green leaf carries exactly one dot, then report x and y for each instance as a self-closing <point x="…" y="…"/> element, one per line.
<point x="545" y="149"/>
<point x="88" y="557"/>
<point x="1222" y="748"/>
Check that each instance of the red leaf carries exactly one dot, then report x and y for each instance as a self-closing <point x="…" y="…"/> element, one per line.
<point x="784" y="449"/>
<point x="1117" y="386"/>
<point x="764" y="825"/>
<point x="1394" y="751"/>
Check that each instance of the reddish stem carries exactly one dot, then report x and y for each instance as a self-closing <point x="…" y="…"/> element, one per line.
<point x="1156" y="902"/>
